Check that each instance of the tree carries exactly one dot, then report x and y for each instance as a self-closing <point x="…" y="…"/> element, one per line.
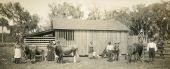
<point x="3" y="22"/>
<point x="152" y="19"/>
<point x="122" y="15"/>
<point x="23" y="21"/>
<point x="64" y="10"/>
<point x="94" y="14"/>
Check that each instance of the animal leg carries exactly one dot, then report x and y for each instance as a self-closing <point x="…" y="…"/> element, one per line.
<point x="135" y="57"/>
<point x="117" y="56"/>
<point x="77" y="53"/>
<point x="129" y="58"/>
<point x="74" y="58"/>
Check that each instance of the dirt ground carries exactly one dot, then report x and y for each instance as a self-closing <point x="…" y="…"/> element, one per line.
<point x="83" y="63"/>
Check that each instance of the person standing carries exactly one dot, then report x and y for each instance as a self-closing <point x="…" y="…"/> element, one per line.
<point x="110" y="49"/>
<point x="17" y="54"/>
<point x="151" y="48"/>
<point x="91" y="50"/>
<point x="50" y="53"/>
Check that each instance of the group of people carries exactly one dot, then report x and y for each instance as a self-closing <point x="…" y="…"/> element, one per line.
<point x="22" y="53"/>
<point x="111" y="50"/>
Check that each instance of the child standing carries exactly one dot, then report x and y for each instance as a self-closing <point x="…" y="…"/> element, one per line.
<point x="17" y="54"/>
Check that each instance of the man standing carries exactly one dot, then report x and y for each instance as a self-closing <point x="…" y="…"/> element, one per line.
<point x="152" y="49"/>
<point x="110" y="49"/>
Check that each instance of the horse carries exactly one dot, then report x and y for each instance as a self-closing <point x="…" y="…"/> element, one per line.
<point x="66" y="50"/>
<point x="135" y="49"/>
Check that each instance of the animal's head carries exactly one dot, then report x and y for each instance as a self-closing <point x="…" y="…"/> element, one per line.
<point x="109" y="43"/>
<point x="58" y="42"/>
<point x="117" y="44"/>
<point x="91" y="42"/>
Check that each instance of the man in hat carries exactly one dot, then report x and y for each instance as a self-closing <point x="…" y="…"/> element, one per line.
<point x="152" y="49"/>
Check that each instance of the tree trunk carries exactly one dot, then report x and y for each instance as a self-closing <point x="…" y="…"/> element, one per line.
<point x="2" y="35"/>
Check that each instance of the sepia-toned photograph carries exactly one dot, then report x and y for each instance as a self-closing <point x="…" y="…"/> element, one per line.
<point x="84" y="34"/>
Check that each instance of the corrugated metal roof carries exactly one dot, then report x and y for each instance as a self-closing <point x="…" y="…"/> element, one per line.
<point x="40" y="33"/>
<point x="77" y="24"/>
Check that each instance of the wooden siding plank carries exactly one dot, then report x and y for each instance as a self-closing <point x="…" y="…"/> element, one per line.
<point x="38" y="41"/>
<point x="89" y="39"/>
<point x="40" y="37"/>
<point x="125" y="43"/>
<point x="121" y="44"/>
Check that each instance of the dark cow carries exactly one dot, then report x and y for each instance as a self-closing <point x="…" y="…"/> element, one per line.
<point x="31" y="52"/>
<point x="135" y="49"/>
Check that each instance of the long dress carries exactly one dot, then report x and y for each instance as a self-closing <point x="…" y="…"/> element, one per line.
<point x="18" y="53"/>
<point x="91" y="50"/>
<point x="50" y="53"/>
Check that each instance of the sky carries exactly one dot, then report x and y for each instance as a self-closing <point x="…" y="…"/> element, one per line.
<point x="41" y="7"/>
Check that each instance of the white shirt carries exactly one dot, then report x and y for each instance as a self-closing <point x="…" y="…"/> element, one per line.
<point x="17" y="53"/>
<point x="110" y="47"/>
<point x="151" y="45"/>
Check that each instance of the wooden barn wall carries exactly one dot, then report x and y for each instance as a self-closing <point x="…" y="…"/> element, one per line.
<point x="100" y="40"/>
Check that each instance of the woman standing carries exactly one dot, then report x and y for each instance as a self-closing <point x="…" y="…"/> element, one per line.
<point x="50" y="53"/>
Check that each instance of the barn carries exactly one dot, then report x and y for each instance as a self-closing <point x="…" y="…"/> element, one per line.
<point x="81" y="33"/>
